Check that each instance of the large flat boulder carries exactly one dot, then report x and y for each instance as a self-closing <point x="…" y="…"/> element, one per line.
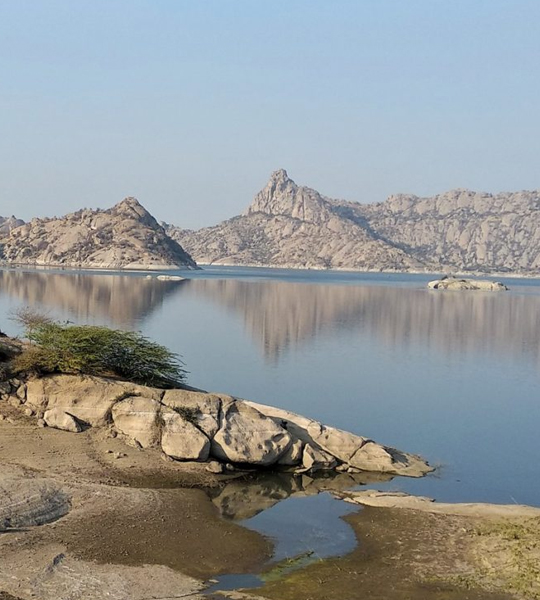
<point x="181" y="439"/>
<point x="357" y="452"/>
<point x="89" y="399"/>
<point x="137" y="418"/>
<point x="247" y="436"/>
<point x="26" y="502"/>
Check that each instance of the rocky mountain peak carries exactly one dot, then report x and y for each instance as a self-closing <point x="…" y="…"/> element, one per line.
<point x="131" y="208"/>
<point x="282" y="196"/>
<point x="280" y="176"/>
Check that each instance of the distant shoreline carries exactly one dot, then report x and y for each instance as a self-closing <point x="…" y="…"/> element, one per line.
<point x="201" y="267"/>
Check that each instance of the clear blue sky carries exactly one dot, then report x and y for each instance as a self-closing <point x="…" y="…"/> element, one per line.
<point x="189" y="105"/>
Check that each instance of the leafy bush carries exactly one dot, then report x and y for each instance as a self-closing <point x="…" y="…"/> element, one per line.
<point x="94" y="350"/>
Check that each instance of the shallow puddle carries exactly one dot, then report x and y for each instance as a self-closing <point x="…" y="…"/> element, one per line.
<point x="303" y="529"/>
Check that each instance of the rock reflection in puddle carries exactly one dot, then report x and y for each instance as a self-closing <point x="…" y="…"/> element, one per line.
<point x="297" y="513"/>
<point x="242" y="499"/>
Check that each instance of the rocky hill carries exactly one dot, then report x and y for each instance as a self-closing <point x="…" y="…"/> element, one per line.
<point x="125" y="236"/>
<point x="9" y="223"/>
<point x="463" y="229"/>
<point x="293" y="226"/>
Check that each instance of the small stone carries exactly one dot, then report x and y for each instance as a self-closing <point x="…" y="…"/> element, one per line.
<point x="28" y="412"/>
<point x="14" y="401"/>
<point x="41" y="423"/>
<point x="4" y="396"/>
<point x="113" y="434"/>
<point x="119" y="455"/>
<point x="21" y="392"/>
<point x="2" y="417"/>
<point x="166" y="457"/>
<point x="214" y="467"/>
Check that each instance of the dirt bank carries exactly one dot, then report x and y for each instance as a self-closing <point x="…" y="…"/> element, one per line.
<point x="120" y="541"/>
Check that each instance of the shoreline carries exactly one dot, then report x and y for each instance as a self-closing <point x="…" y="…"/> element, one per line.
<point x="25" y="268"/>
<point x="409" y="547"/>
<point x="146" y="511"/>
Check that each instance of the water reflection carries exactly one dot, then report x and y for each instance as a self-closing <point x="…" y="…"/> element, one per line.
<point x="282" y="315"/>
<point x="119" y="300"/>
<point x="242" y="499"/>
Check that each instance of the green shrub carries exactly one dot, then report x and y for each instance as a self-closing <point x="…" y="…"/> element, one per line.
<point x="95" y="350"/>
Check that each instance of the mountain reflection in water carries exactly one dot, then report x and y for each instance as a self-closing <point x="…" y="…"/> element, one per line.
<point x="282" y="315"/>
<point x="118" y="300"/>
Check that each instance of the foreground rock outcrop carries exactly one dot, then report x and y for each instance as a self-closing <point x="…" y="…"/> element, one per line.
<point x="192" y="425"/>
<point x="125" y="236"/>
<point x="453" y="283"/>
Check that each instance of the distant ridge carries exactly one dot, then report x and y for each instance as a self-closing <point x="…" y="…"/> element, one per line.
<point x="125" y="236"/>
<point x="294" y="226"/>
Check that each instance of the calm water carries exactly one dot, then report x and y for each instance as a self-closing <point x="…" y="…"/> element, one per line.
<point x="452" y="376"/>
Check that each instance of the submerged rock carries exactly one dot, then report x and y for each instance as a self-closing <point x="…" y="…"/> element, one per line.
<point x="452" y="283"/>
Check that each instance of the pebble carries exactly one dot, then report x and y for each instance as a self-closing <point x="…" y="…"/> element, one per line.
<point x="214" y="467"/>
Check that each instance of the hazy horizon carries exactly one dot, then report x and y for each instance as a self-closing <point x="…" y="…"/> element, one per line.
<point x="190" y="106"/>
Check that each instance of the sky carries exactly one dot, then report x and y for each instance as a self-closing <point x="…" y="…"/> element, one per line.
<point x="189" y="105"/>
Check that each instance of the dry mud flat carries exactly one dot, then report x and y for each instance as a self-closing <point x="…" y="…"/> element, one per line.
<point x="73" y="527"/>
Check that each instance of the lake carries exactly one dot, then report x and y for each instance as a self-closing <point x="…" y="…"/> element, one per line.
<point x="453" y="376"/>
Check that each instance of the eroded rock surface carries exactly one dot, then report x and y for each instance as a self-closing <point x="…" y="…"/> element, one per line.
<point x="247" y="436"/>
<point x="181" y="439"/>
<point x="192" y="425"/>
<point x="26" y="502"/>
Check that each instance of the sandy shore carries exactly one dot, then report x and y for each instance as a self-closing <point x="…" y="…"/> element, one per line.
<point x="123" y="538"/>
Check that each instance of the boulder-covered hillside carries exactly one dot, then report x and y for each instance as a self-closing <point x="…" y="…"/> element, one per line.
<point x="125" y="236"/>
<point x="294" y="226"/>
